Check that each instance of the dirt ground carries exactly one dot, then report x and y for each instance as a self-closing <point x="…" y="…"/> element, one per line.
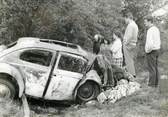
<point x="147" y="102"/>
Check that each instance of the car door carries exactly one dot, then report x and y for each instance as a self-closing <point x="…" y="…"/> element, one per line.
<point x="36" y="70"/>
<point x="67" y="72"/>
<point x="35" y="65"/>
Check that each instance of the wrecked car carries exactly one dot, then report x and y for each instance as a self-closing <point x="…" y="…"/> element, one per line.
<point x="47" y="69"/>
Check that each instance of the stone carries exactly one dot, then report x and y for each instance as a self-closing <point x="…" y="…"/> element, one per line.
<point x="101" y="98"/>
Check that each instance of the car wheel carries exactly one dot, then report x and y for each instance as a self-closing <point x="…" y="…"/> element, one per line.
<point x="7" y="89"/>
<point x="88" y="91"/>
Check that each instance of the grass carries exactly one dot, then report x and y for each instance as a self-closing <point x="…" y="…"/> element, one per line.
<point x="10" y="109"/>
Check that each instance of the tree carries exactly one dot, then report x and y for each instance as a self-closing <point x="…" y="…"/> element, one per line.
<point x="68" y="20"/>
<point x="74" y="21"/>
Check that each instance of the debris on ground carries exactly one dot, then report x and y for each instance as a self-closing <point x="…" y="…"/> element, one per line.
<point x="123" y="89"/>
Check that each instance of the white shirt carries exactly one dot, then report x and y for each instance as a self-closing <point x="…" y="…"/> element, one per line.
<point x="152" y="39"/>
<point x="131" y="34"/>
<point x="116" y="49"/>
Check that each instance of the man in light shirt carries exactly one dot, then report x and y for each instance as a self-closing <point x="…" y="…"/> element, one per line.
<point x="129" y="43"/>
<point x="152" y="48"/>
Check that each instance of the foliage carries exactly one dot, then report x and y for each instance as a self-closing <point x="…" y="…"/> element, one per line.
<point x="68" y="20"/>
<point x="74" y="21"/>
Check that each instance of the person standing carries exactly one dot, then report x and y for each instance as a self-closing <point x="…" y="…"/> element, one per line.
<point x="152" y="48"/>
<point x="104" y="58"/>
<point x="116" y="49"/>
<point x="96" y="49"/>
<point x="97" y="42"/>
<point x="129" y="43"/>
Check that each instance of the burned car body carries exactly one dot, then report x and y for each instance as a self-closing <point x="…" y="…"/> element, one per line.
<point x="47" y="69"/>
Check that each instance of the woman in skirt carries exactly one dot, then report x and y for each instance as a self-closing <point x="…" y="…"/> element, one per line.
<point x="116" y="49"/>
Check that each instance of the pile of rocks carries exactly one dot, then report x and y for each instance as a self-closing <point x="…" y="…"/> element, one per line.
<point x="123" y="89"/>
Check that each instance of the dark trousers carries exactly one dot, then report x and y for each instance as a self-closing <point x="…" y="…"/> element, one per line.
<point x="152" y="62"/>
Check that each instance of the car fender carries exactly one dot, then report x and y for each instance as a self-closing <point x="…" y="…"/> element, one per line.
<point x="14" y="72"/>
<point x="90" y="76"/>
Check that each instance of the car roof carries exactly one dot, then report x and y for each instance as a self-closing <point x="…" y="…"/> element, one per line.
<point x="51" y="44"/>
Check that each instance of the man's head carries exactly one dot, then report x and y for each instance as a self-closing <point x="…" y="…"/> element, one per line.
<point x="128" y="17"/>
<point x="98" y="37"/>
<point x="148" y="21"/>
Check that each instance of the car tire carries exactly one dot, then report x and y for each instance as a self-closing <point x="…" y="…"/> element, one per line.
<point x="88" y="91"/>
<point x="7" y="88"/>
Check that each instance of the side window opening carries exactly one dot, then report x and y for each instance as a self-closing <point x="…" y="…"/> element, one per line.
<point x="40" y="57"/>
<point x="72" y="64"/>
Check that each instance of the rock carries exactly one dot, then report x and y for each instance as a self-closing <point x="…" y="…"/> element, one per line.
<point x="123" y="89"/>
<point x="107" y="92"/>
<point x="101" y="98"/>
<point x="113" y="96"/>
<point x="133" y="86"/>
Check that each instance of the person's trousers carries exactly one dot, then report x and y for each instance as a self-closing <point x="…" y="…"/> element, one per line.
<point x="129" y="56"/>
<point x="152" y="62"/>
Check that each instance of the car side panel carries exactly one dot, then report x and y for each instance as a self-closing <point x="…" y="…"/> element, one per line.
<point x="35" y="80"/>
<point x="92" y="75"/>
<point x="62" y="85"/>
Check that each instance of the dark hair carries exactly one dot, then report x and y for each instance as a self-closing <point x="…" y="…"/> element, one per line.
<point x="117" y="32"/>
<point x="149" y="19"/>
<point x="128" y="15"/>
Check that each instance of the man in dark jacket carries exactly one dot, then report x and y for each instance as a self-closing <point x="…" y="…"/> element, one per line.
<point x="97" y="42"/>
